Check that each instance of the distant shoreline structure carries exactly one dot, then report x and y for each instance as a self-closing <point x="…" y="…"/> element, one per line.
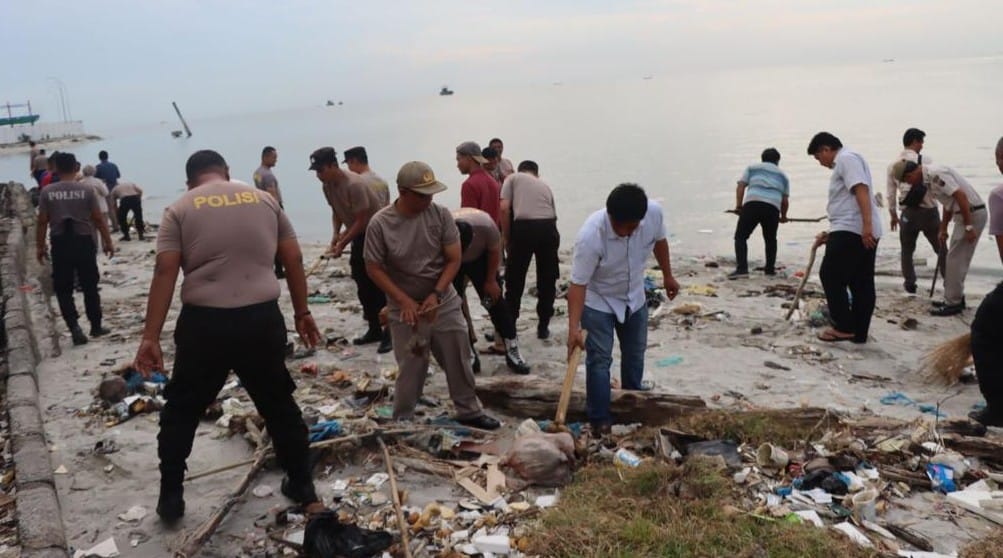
<point x="17" y="147"/>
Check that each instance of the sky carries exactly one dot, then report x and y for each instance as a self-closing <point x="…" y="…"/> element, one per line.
<point x="121" y="62"/>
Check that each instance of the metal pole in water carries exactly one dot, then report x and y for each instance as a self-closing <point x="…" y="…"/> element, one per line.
<point x="183" y="123"/>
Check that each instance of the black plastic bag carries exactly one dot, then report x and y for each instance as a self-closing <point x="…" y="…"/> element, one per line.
<point x="326" y="537"/>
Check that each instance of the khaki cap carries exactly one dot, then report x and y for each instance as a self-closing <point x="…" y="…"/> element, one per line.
<point x="902" y="168"/>
<point x="418" y="177"/>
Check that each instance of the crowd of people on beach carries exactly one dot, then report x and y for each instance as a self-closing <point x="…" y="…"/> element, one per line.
<point x="412" y="259"/>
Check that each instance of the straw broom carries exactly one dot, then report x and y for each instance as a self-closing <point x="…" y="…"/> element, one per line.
<point x="947" y="361"/>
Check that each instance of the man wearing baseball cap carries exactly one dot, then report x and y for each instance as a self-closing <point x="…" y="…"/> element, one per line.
<point x="965" y="207"/>
<point x="413" y="253"/>
<point x="479" y="190"/>
<point x="353" y="203"/>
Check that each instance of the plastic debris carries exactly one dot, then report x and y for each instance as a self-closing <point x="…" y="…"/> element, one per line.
<point x="263" y="491"/>
<point x="626" y="458"/>
<point x="855" y="535"/>
<point x="941" y="477"/>
<point x="669" y="361"/>
<point x="541" y="459"/>
<point x="134" y="514"/>
<point x="495" y="544"/>
<point x="104" y="549"/>
<point x="377" y="480"/>
<point x="324" y="430"/>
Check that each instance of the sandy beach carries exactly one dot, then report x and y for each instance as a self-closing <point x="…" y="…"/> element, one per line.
<point x="735" y="351"/>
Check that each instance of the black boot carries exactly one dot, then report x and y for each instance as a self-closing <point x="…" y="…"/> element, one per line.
<point x="171" y="505"/>
<point x="299" y="491"/>
<point x="98" y="331"/>
<point x="386" y="343"/>
<point x="372" y="335"/>
<point x="78" y="335"/>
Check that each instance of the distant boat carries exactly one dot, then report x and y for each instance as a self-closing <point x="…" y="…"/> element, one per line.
<point x="176" y="133"/>
<point x="330" y="103"/>
<point x="445" y="91"/>
<point x="648" y="77"/>
<point x="12" y="120"/>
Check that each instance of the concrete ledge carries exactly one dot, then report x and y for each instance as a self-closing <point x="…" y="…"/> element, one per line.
<point x="39" y="524"/>
<point x="22" y="390"/>
<point x="45" y="553"/>
<point x="33" y="463"/>
<point x="39" y="520"/>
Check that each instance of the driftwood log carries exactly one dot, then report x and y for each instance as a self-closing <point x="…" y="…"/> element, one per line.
<point x="986" y="449"/>
<point x="532" y="397"/>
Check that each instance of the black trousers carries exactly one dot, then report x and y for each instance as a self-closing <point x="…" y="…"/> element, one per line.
<point x="75" y="255"/>
<point x="987" y="348"/>
<point x="135" y="205"/>
<point x="916" y="220"/>
<point x="210" y="343"/>
<point x="848" y="265"/>
<point x="765" y="216"/>
<point x="501" y="314"/>
<point x="370" y="296"/>
<point x="529" y="238"/>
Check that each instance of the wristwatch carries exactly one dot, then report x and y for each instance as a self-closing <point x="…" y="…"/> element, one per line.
<point x="969" y="228"/>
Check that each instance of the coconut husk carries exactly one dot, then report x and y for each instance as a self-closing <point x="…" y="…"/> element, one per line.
<point x="947" y="362"/>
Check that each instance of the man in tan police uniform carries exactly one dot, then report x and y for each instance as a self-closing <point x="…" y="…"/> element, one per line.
<point x="413" y="254"/>
<point x="225" y="236"/>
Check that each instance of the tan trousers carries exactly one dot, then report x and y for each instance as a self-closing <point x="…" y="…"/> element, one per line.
<point x="959" y="255"/>
<point x="447" y="340"/>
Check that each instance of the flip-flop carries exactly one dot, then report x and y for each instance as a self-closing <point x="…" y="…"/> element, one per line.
<point x="828" y="337"/>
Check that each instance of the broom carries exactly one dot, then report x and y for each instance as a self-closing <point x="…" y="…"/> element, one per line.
<point x="947" y="361"/>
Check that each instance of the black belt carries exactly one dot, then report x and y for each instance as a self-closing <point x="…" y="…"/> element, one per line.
<point x="977" y="207"/>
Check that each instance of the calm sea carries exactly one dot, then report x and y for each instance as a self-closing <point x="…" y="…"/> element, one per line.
<point x="686" y="138"/>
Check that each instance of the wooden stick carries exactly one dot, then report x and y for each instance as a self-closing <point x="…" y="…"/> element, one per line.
<point x="396" y="497"/>
<point x="804" y="280"/>
<point x="199" y="536"/>
<point x="569" y="382"/>
<point x="789" y="219"/>
<point x="316" y="445"/>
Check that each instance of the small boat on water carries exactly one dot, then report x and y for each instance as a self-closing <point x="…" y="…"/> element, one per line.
<point x="11" y="119"/>
<point x="330" y="103"/>
<point x="445" y="91"/>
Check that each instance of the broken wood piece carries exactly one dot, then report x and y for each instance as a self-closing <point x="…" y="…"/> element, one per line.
<point x="423" y="466"/>
<point x="569" y="382"/>
<point x="199" y="536"/>
<point x="909" y="536"/>
<point x="529" y="397"/>
<point x="401" y="522"/>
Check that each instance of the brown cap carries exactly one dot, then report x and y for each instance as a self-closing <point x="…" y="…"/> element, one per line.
<point x="418" y="177"/>
<point x="471" y="149"/>
<point x="902" y="168"/>
<point x="323" y="156"/>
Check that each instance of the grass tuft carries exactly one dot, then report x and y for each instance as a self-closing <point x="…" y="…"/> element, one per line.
<point x="672" y="511"/>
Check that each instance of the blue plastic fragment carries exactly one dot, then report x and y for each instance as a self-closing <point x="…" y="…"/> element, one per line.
<point x="897" y="398"/>
<point x="324" y="429"/>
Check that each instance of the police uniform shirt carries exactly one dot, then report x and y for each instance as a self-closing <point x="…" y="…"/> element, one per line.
<point x="69" y="202"/>
<point x="228" y="235"/>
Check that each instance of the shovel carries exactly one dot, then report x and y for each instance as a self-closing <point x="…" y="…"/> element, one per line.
<point x="569" y="381"/>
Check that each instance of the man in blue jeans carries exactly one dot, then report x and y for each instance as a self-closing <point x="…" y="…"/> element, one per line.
<point x="607" y="293"/>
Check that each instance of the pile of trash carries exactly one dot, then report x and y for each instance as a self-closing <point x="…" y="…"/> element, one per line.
<point x="854" y="477"/>
<point x="125" y="394"/>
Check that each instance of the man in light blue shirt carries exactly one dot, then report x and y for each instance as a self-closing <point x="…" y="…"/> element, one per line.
<point x="760" y="200"/>
<point x="607" y="292"/>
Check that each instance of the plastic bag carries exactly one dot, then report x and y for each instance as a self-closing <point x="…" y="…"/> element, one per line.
<point x="541" y="459"/>
<point x="326" y="537"/>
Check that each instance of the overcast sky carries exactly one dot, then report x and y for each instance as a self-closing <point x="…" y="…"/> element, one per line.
<point x="122" y="62"/>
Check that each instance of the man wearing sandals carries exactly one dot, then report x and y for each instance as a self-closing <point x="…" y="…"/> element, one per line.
<point x="851" y="242"/>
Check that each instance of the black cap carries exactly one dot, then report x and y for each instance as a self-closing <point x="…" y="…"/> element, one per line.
<point x="358" y="153"/>
<point x="323" y="156"/>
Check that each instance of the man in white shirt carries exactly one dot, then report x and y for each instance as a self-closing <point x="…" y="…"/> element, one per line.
<point x="851" y="242"/>
<point x="965" y="207"/>
<point x="919" y="209"/>
<point x="607" y="293"/>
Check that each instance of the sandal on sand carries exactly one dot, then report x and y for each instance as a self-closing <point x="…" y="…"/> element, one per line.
<point x="832" y="336"/>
